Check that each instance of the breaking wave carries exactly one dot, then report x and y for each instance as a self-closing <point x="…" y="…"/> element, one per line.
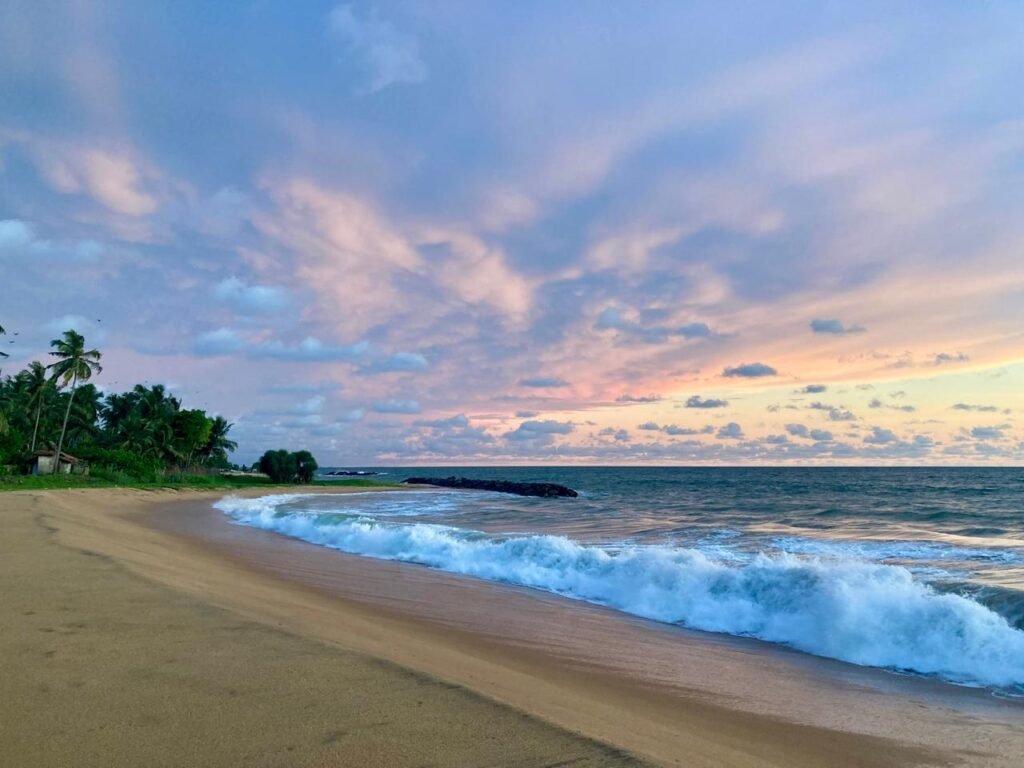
<point x="862" y="612"/>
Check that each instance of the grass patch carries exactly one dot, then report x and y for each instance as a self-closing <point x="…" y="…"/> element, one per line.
<point x="199" y="482"/>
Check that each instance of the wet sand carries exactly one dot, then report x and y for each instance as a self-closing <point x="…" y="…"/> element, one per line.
<point x="661" y="694"/>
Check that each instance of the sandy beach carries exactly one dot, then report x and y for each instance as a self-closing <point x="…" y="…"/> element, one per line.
<point x="141" y="628"/>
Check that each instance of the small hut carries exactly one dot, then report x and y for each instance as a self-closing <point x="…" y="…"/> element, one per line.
<point x="43" y="463"/>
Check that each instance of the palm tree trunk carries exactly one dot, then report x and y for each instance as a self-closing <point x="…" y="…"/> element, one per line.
<point x="63" y="429"/>
<point x="35" y="429"/>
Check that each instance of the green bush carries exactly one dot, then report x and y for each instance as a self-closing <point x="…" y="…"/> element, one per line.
<point x="282" y="466"/>
<point x="114" y="476"/>
<point x="116" y="462"/>
<point x="11" y="447"/>
<point x="306" y="466"/>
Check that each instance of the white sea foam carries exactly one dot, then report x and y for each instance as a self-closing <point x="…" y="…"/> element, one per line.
<point x="861" y="612"/>
<point x="900" y="550"/>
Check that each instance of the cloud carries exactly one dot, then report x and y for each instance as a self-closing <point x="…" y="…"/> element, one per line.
<point x="693" y="331"/>
<point x="461" y="420"/>
<point x="674" y="430"/>
<point x="695" y="401"/>
<point x="477" y="272"/>
<point x="749" y="371"/>
<point x="452" y="436"/>
<point x="385" y="55"/>
<point x="876" y="403"/>
<point x="813" y="389"/>
<point x="115" y="179"/>
<point x="525" y="414"/>
<point x="540" y="430"/>
<point x="834" y="327"/>
<point x="305" y="388"/>
<point x="397" y="406"/>
<point x="222" y="341"/>
<point x="399" y="362"/>
<point x="944" y="358"/>
<point x="16" y="234"/>
<point x="356" y="414"/>
<point x="618" y="435"/>
<point x="255" y="299"/>
<point x="348" y="251"/>
<point x="227" y="341"/>
<point x="638" y="399"/>
<point x="988" y="433"/>
<point x="543" y="382"/>
<point x="818" y="435"/>
<point x="18" y="238"/>
<point x="834" y="413"/>
<point x="304" y="407"/>
<point x="309" y="349"/>
<point x="880" y="436"/>
<point x="613" y="318"/>
<point x="730" y="431"/>
<point x="976" y="408"/>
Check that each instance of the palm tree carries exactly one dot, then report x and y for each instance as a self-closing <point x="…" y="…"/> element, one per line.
<point x="74" y="364"/>
<point x="37" y="384"/>
<point x="84" y="420"/>
<point x="143" y="420"/>
<point x="218" y="446"/>
<point x="138" y="435"/>
<point x="3" y="332"/>
<point x="158" y="409"/>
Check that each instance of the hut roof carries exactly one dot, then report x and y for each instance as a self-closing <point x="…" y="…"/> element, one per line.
<point x="64" y="456"/>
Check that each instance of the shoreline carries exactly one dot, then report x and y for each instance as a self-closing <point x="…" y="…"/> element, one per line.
<point x="724" y="701"/>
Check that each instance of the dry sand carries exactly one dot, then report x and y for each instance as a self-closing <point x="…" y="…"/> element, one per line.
<point x="125" y="644"/>
<point x="99" y="667"/>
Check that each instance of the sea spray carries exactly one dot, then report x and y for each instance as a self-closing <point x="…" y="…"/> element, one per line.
<point x="861" y="612"/>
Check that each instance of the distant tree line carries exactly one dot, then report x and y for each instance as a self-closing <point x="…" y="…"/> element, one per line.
<point x="140" y="433"/>
<point x="137" y="435"/>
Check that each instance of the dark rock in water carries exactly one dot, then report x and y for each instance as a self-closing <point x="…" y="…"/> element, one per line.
<point x="350" y="473"/>
<point x="546" y="490"/>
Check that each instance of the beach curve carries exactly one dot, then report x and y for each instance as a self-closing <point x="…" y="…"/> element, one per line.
<point x="664" y="727"/>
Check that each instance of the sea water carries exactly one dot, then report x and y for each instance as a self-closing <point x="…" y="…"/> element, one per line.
<point x="916" y="570"/>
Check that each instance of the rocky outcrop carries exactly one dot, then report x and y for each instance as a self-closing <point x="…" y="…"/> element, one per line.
<point x="545" y="490"/>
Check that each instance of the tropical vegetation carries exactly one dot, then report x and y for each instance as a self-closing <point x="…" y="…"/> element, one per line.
<point x="140" y="434"/>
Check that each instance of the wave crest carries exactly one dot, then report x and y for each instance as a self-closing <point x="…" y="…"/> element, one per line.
<point x="861" y="612"/>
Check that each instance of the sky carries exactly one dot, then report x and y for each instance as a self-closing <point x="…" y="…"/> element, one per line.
<point x="532" y="232"/>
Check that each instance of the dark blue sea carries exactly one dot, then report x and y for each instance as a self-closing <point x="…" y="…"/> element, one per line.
<point x="915" y="570"/>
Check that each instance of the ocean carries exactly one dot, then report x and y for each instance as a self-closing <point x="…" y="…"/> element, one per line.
<point x="915" y="570"/>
